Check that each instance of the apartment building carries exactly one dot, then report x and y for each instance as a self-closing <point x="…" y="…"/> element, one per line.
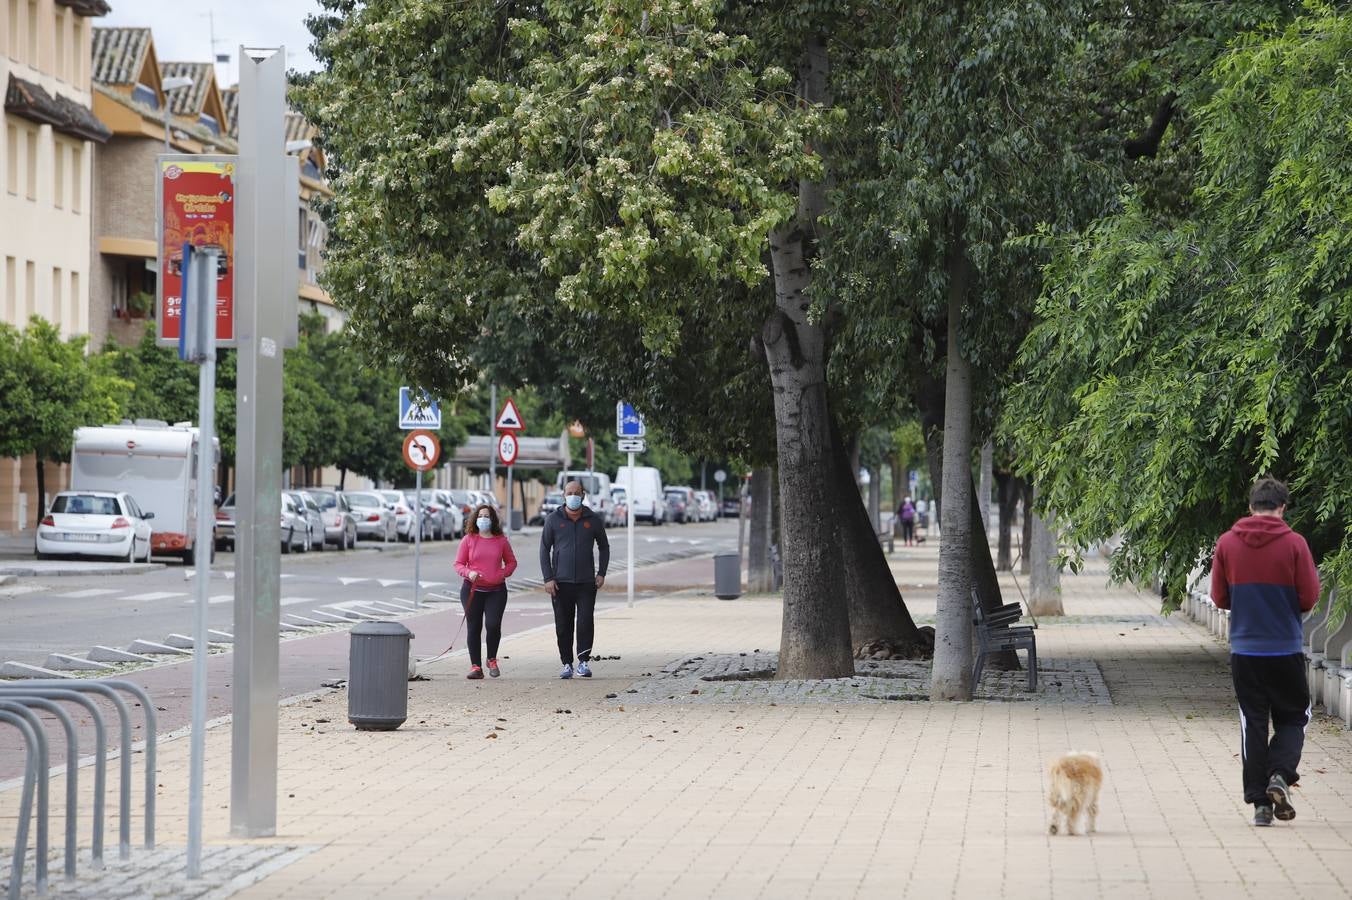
<point x="46" y="153"/>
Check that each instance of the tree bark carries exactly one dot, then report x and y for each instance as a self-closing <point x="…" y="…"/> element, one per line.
<point x="1044" y="591"/>
<point x="815" y="636"/>
<point x="899" y="485"/>
<point x="758" y="575"/>
<point x="951" y="676"/>
<point x="875" y="498"/>
<point x="1025" y="561"/>
<point x="983" y="493"/>
<point x="1008" y="492"/>
<point x="877" y="609"/>
<point x="42" y="489"/>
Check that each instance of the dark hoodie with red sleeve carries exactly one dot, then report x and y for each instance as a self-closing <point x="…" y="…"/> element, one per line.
<point x="1264" y="574"/>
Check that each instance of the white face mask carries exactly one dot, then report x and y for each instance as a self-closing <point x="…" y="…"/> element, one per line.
<point x="574" y="501"/>
<point x="485" y="524"/>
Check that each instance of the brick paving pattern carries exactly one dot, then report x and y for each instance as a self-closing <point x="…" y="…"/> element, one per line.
<point x="529" y="786"/>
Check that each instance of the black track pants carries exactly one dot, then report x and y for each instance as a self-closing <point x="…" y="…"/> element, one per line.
<point x="1270" y="688"/>
<point x="483" y="608"/>
<point x="574" y="601"/>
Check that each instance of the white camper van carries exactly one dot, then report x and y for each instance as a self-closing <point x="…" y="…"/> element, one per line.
<point x="597" y="486"/>
<point x="644" y="486"/>
<point x="154" y="462"/>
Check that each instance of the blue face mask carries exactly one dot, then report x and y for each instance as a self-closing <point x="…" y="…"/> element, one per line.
<point x="485" y="524"/>
<point x="574" y="501"/>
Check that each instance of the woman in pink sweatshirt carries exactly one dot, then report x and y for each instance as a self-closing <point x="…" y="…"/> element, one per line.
<point x="485" y="561"/>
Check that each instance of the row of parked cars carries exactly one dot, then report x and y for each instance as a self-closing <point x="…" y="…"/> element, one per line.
<point x="675" y="504"/>
<point x="316" y="518"/>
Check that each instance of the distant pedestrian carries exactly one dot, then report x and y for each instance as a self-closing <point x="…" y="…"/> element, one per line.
<point x="574" y="569"/>
<point x="908" y="521"/>
<point x="485" y="560"/>
<point x="1264" y="574"/>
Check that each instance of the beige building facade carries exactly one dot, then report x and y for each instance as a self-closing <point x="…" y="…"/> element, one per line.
<point x="46" y="163"/>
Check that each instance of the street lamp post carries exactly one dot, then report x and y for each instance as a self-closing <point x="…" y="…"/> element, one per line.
<point x="167" y="85"/>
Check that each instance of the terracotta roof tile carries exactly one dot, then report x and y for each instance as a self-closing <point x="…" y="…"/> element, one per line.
<point x="119" y="54"/>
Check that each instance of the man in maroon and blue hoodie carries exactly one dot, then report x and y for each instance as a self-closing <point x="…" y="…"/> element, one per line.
<point x="1264" y="574"/>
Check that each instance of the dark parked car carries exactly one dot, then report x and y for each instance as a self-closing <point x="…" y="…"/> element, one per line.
<point x="730" y="505"/>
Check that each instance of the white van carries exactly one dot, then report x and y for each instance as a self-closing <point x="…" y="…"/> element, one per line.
<point x="646" y="497"/>
<point x="154" y="462"/>
<point x="597" y="486"/>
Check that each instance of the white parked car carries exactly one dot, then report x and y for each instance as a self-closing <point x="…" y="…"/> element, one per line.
<point x="106" y="524"/>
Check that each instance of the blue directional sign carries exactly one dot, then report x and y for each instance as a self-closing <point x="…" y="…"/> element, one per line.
<point x="418" y="410"/>
<point x="627" y="422"/>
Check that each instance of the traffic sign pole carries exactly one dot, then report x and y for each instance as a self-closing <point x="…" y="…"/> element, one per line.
<point x="630" y="523"/>
<point x="509" y="499"/>
<point x="417" y="545"/>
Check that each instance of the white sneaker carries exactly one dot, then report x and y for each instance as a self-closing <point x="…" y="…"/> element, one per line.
<point x="583" y="669"/>
<point x="567" y="671"/>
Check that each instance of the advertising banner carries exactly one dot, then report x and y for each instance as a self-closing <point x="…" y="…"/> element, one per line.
<point x="195" y="205"/>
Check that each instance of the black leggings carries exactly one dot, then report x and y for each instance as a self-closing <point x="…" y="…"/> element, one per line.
<point x="483" y="607"/>
<point x="908" y="530"/>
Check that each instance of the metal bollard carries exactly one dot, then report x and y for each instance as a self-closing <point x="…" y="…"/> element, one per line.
<point x="40" y="865"/>
<point x="72" y="775"/>
<point x="100" y="758"/>
<point x="377" y="679"/>
<point x="727" y="576"/>
<point x="30" y="779"/>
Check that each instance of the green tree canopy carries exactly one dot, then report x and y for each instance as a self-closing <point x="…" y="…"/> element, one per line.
<point x="1179" y="358"/>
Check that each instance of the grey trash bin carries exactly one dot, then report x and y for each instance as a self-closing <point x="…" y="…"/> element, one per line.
<point x="727" y="576"/>
<point x="377" y="676"/>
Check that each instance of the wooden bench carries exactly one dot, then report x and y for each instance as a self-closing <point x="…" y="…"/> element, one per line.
<point x="996" y="631"/>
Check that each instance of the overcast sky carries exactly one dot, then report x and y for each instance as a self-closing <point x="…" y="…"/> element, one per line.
<point x="183" y="29"/>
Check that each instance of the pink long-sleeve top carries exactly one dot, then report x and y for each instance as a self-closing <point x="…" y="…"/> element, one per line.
<point x="489" y="555"/>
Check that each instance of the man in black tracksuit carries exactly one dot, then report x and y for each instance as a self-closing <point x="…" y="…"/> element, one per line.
<point x="572" y="576"/>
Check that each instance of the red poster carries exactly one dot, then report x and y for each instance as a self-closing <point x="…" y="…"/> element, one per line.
<point x="197" y="206"/>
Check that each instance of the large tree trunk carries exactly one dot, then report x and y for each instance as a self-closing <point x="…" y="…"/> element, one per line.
<point x="877" y="610"/>
<point x="758" y="574"/>
<point x="875" y="498"/>
<point x="900" y="482"/>
<point x="1008" y="492"/>
<point x="1025" y="561"/>
<point x="951" y="677"/>
<point x="983" y="492"/>
<point x="815" y="638"/>
<point x="1044" y="591"/>
<point x="40" y="467"/>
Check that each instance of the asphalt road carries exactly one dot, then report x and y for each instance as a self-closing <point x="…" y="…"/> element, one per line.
<point x="70" y="614"/>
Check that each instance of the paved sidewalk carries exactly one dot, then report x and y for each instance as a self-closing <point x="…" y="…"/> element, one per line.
<point x="533" y="787"/>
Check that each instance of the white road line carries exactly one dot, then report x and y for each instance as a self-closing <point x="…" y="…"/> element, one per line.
<point x="154" y="595"/>
<point x="292" y="601"/>
<point x="391" y="582"/>
<point x="348" y="581"/>
<point x="15" y="589"/>
<point x="91" y="592"/>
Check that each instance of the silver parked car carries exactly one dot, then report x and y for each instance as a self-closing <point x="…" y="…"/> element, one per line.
<point x="314" y="518"/>
<point x="375" y="521"/>
<point x="295" y="526"/>
<point x="340" y="524"/>
<point x="455" y="517"/>
<point x="403" y="515"/>
<point x="440" y="523"/>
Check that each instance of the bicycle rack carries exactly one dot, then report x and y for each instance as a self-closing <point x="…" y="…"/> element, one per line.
<point x="18" y="702"/>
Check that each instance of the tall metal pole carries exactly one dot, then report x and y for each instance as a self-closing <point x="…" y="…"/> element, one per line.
<point x="493" y="439"/>
<point x="417" y="546"/>
<point x="509" y="500"/>
<point x="261" y="281"/>
<point x="203" y="272"/>
<point x="630" y="517"/>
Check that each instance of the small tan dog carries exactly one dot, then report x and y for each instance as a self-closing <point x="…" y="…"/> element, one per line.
<point x="1076" y="779"/>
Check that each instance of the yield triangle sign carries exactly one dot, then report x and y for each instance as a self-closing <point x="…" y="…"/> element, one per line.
<point x="510" y="418"/>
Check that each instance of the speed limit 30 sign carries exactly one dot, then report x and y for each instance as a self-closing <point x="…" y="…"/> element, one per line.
<point x="508" y="447"/>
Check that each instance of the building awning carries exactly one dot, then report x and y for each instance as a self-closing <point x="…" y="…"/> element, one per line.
<point x="533" y="452"/>
<point x="120" y="246"/>
<point x="32" y="102"/>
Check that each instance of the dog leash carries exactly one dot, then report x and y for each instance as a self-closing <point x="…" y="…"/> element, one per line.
<point x="464" y="616"/>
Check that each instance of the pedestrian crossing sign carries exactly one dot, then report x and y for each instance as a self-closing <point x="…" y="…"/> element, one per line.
<point x="418" y="410"/>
